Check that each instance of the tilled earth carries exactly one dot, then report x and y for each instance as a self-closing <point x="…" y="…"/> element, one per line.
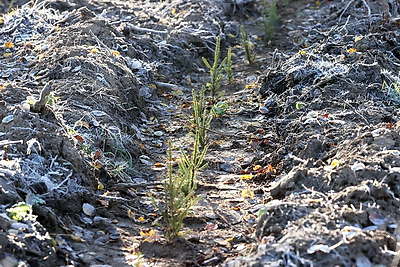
<point x="303" y="169"/>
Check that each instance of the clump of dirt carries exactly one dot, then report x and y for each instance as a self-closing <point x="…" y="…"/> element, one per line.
<point x="334" y="202"/>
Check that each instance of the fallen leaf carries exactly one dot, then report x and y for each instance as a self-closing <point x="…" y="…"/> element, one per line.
<point x="82" y="124"/>
<point x="100" y="186"/>
<point x="257" y="167"/>
<point x="358" y="38"/>
<point x="246" y="176"/>
<point x="79" y="138"/>
<point x="141" y="219"/>
<point x="148" y="233"/>
<point x="9" y="45"/>
<point x="158" y="164"/>
<point x="271" y="169"/>
<point x="97" y="154"/>
<point x="247" y="194"/>
<point x="116" y="53"/>
<point x="352" y="50"/>
<point x="94" y="50"/>
<point x="334" y="163"/>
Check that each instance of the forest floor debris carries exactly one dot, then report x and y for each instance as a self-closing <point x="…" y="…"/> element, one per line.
<point x="303" y="164"/>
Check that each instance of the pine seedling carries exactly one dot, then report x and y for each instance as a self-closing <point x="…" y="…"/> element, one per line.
<point x="247" y="45"/>
<point x="190" y="164"/>
<point x="228" y="67"/>
<point x="216" y="71"/>
<point x="202" y="117"/>
<point x="270" y="20"/>
<point x="177" y="203"/>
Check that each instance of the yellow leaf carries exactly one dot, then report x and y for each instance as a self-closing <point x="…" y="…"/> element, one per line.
<point x="334" y="163"/>
<point x="100" y="186"/>
<point x="257" y="167"/>
<point x="352" y="50"/>
<point x="56" y="29"/>
<point x="247" y="194"/>
<point x="229" y="239"/>
<point x="41" y="56"/>
<point x="173" y="11"/>
<point x="9" y="45"/>
<point x="94" y="50"/>
<point x="152" y="85"/>
<point x="251" y="85"/>
<point x="141" y="219"/>
<point x="7" y="54"/>
<point x="116" y="53"/>
<point x="148" y="233"/>
<point x="131" y="215"/>
<point x="302" y="52"/>
<point x="246" y="176"/>
<point x="1" y="21"/>
<point x="358" y="38"/>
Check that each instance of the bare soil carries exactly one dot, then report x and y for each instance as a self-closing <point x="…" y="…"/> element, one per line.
<point x="303" y="169"/>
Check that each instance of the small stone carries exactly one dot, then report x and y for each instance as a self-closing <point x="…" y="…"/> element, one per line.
<point x="86" y="220"/>
<point x="226" y="167"/>
<point x="158" y="133"/>
<point x="7" y="119"/>
<point x="88" y="209"/>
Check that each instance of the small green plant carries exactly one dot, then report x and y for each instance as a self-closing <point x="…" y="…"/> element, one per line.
<point x="247" y="45"/>
<point x="393" y="91"/>
<point x="190" y="164"/>
<point x="10" y="6"/>
<point x="177" y="203"/>
<point x="216" y="71"/>
<point x="51" y="99"/>
<point x="228" y="67"/>
<point x="201" y="116"/>
<point x="299" y="105"/>
<point x="116" y="169"/>
<point x="270" y="20"/>
<point x="220" y="108"/>
<point x="19" y="211"/>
